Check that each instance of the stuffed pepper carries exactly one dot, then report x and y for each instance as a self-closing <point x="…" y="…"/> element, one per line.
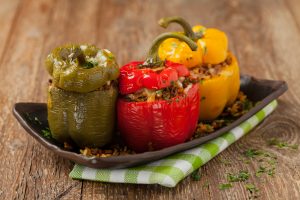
<point x="159" y="102"/>
<point x="82" y="95"/>
<point x="212" y="64"/>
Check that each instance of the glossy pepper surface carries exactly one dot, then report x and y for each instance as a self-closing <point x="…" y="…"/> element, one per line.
<point x="81" y="68"/>
<point x="217" y="91"/>
<point x="82" y="96"/>
<point x="133" y="78"/>
<point x="157" y="124"/>
<point x="212" y="45"/>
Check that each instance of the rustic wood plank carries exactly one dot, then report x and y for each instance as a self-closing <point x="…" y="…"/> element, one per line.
<point x="264" y="51"/>
<point x="264" y="36"/>
<point x="294" y="7"/>
<point x="8" y="15"/>
<point x="27" y="169"/>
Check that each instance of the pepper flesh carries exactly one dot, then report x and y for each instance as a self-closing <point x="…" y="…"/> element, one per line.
<point x="217" y="91"/>
<point x="82" y="96"/>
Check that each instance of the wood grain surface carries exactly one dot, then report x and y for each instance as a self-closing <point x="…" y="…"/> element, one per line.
<point x="264" y="35"/>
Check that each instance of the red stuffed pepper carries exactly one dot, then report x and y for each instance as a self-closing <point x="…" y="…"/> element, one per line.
<point x="159" y="102"/>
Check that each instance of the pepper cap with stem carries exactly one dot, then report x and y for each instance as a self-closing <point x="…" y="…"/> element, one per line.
<point x="212" y="42"/>
<point x="188" y="30"/>
<point x="153" y="57"/>
<point x="154" y="73"/>
<point x="81" y="68"/>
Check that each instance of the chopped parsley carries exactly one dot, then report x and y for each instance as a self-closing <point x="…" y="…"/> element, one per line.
<point x="270" y="170"/>
<point x="240" y="177"/>
<point x="260" y="171"/>
<point x="196" y="175"/>
<point x="281" y="144"/>
<point x="247" y="104"/>
<point x="252" y="153"/>
<point x="89" y="64"/>
<point x="224" y="186"/>
<point x="252" y="189"/>
<point x="46" y="133"/>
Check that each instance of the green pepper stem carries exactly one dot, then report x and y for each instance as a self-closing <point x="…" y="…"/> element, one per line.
<point x="188" y="31"/>
<point x="153" y="51"/>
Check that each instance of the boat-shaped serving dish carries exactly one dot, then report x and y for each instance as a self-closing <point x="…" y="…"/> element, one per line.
<point x="257" y="90"/>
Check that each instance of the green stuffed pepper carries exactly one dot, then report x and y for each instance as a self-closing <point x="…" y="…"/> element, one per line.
<point x="82" y="95"/>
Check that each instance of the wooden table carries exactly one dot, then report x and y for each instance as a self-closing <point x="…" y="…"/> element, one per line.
<point x="264" y="35"/>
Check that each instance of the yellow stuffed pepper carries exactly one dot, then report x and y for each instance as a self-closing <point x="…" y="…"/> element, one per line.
<point x="212" y="65"/>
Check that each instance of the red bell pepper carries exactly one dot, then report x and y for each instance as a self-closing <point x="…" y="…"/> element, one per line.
<point x="161" y="123"/>
<point x="133" y="79"/>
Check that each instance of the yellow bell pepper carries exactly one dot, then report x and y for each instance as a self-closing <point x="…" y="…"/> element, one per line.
<point x="218" y="91"/>
<point x="212" y="45"/>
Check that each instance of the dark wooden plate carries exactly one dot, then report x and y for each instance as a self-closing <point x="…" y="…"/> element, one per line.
<point x="257" y="90"/>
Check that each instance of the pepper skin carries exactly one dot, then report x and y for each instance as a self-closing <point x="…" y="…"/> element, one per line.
<point x="88" y="119"/>
<point x="218" y="91"/>
<point x="62" y="64"/>
<point x="160" y="123"/>
<point x="133" y="79"/>
<point x="212" y="45"/>
<point x="82" y="98"/>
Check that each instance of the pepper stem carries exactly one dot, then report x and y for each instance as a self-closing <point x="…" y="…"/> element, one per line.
<point x="188" y="31"/>
<point x="153" y="57"/>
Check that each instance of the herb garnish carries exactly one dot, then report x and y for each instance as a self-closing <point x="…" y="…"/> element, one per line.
<point x="224" y="186"/>
<point x="252" y="189"/>
<point x="281" y="144"/>
<point x="252" y="153"/>
<point x="89" y="64"/>
<point x="270" y="170"/>
<point x="196" y="175"/>
<point x="46" y="133"/>
<point x="240" y="177"/>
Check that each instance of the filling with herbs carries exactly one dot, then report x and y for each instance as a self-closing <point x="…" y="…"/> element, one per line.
<point x="83" y="56"/>
<point x="231" y="113"/>
<point x="177" y="88"/>
<point x="207" y="71"/>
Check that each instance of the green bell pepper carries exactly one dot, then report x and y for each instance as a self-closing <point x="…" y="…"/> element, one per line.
<point x="81" y="68"/>
<point x="82" y="95"/>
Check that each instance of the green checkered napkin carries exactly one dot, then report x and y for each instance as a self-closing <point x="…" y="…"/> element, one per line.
<point x="172" y="169"/>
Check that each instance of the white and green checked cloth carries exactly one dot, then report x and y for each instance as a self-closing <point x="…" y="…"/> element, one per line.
<point x="172" y="169"/>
